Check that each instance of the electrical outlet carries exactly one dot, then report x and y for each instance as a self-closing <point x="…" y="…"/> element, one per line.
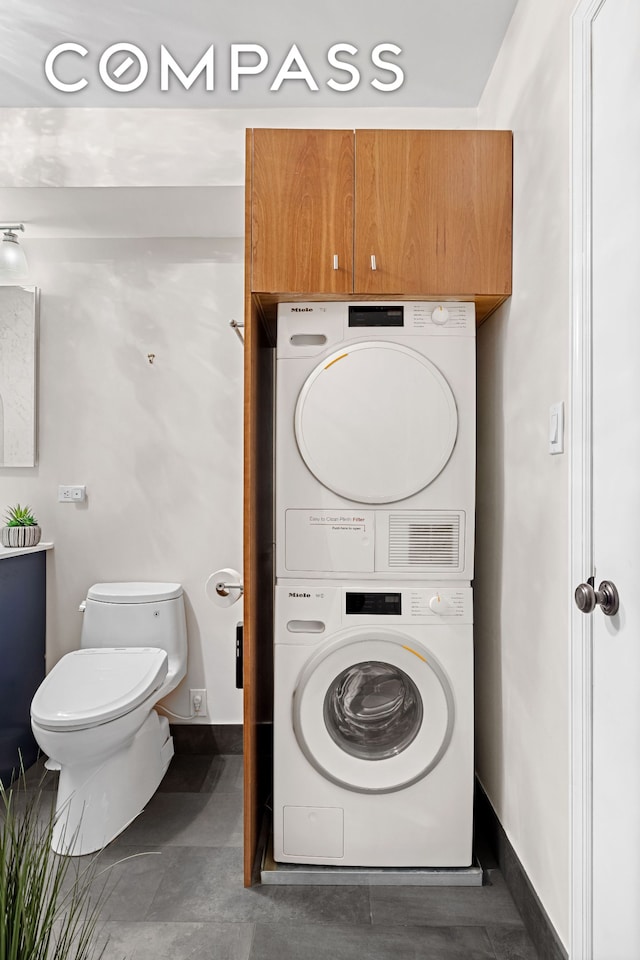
<point x="198" y="699"/>
<point x="72" y="494"/>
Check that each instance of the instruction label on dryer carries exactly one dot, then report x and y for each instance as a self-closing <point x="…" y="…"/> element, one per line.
<point x="328" y="541"/>
<point x="339" y="521"/>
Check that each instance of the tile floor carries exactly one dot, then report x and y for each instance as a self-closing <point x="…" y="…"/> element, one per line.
<point x="184" y="899"/>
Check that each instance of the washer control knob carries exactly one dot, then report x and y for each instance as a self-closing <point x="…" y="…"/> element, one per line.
<point x="440" y="605"/>
<point x="440" y="315"/>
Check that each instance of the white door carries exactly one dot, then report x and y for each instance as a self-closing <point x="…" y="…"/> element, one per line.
<point x="608" y="901"/>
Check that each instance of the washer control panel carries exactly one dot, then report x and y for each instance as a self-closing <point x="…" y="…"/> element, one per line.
<point x="317" y="608"/>
<point x="408" y="605"/>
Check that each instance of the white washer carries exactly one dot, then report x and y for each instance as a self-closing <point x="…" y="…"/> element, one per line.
<point x="373" y="724"/>
<point x="375" y="440"/>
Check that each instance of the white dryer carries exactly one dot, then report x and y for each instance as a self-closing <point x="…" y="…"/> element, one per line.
<point x="373" y="724"/>
<point x="375" y="440"/>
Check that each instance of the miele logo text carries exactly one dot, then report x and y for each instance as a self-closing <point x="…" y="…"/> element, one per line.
<point x="301" y="309"/>
<point x="124" y="67"/>
<point x="299" y="594"/>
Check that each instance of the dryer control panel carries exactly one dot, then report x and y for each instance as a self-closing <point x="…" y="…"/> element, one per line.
<point x="307" y="329"/>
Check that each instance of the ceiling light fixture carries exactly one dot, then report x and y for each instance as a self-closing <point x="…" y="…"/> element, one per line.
<point x="13" y="263"/>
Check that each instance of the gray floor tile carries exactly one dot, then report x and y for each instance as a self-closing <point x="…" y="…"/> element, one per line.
<point x="188" y="819"/>
<point x="225" y="774"/>
<point x="511" y="944"/>
<point x="177" y="941"/>
<point x="206" y="884"/>
<point x="491" y="904"/>
<point x="287" y="941"/>
<point x="186" y="774"/>
<point x="130" y="877"/>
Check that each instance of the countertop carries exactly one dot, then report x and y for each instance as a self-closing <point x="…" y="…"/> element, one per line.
<point x="6" y="552"/>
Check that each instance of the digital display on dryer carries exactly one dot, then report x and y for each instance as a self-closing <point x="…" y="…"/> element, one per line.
<point x="376" y="315"/>
<point x="374" y="604"/>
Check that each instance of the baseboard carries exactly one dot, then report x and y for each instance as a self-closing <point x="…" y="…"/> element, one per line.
<point x="539" y="927"/>
<point x="199" y="738"/>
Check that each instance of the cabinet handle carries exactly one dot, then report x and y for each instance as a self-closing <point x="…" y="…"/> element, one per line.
<point x="335" y="261"/>
<point x="373" y="262"/>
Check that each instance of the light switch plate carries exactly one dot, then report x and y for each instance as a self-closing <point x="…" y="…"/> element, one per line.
<point x="556" y="427"/>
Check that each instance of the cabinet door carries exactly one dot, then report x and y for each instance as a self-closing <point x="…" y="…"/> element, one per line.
<point x="302" y="211"/>
<point x="434" y="209"/>
<point x="22" y="651"/>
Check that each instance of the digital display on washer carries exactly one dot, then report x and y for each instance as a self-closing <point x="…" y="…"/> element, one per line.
<point x="374" y="604"/>
<point x="376" y="315"/>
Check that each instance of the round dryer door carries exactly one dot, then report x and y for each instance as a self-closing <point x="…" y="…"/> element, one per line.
<point x="376" y="422"/>
<point x="373" y="712"/>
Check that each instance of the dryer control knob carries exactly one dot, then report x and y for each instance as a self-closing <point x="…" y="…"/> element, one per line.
<point x="440" y="605"/>
<point x="440" y="315"/>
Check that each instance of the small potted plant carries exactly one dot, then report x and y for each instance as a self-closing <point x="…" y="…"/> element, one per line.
<point x="22" y="528"/>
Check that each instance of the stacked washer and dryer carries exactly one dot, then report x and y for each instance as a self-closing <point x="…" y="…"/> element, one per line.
<point x="375" y="504"/>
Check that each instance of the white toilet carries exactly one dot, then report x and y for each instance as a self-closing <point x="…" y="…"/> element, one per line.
<point x="93" y="714"/>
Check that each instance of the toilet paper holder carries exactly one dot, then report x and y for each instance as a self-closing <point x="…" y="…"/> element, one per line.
<point x="224" y="589"/>
<point x="225" y="586"/>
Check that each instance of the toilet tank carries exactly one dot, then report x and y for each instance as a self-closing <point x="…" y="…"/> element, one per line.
<point x="138" y="614"/>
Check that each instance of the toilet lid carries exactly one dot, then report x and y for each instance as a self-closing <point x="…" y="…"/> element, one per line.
<point x="134" y="592"/>
<point x="89" y="687"/>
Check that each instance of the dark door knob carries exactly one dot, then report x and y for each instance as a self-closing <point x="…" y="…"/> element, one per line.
<point x="606" y="597"/>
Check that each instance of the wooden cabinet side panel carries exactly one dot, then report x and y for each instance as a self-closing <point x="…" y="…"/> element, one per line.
<point x="302" y="210"/>
<point x="434" y="208"/>
<point x="257" y="560"/>
<point x="258" y="583"/>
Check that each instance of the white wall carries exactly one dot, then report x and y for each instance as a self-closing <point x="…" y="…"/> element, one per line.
<point x="119" y="147"/>
<point x="158" y="446"/>
<point x="522" y="573"/>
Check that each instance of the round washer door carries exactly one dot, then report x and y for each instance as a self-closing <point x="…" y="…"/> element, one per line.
<point x="376" y="422"/>
<point x="373" y="712"/>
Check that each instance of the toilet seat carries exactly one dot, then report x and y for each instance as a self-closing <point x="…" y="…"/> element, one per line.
<point x="91" y="686"/>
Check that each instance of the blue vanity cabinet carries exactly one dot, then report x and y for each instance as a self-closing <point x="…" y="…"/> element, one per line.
<point x="22" y="655"/>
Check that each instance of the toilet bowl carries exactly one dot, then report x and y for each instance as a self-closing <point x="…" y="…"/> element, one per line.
<point x="93" y="714"/>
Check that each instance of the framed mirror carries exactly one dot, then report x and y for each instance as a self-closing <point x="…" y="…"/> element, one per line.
<point x="18" y="359"/>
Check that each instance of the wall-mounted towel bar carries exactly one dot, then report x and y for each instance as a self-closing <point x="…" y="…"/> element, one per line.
<point x="237" y="326"/>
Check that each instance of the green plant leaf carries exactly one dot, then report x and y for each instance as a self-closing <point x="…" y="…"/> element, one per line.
<point x="49" y="904"/>
<point x="20" y="517"/>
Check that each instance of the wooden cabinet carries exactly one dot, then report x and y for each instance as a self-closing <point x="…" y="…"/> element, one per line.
<point x="432" y="213"/>
<point x="434" y="209"/>
<point x="302" y="211"/>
